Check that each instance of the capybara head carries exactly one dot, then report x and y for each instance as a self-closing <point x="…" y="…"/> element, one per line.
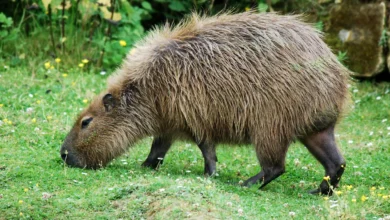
<point x="100" y="133"/>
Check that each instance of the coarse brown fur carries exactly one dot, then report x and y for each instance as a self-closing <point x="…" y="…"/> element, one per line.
<point x="263" y="79"/>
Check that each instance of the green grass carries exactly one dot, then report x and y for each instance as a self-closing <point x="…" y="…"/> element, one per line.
<point x="38" y="108"/>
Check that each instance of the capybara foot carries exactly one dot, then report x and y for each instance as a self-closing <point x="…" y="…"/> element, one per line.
<point x="209" y="169"/>
<point x="154" y="164"/>
<point x="254" y="179"/>
<point x="320" y="191"/>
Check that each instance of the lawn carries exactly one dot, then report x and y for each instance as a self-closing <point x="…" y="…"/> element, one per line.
<point x="37" y="109"/>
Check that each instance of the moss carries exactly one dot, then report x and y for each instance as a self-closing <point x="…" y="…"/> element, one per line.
<point x="366" y="21"/>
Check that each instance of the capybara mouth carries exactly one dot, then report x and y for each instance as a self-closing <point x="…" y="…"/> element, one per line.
<point x="74" y="162"/>
<point x="71" y="160"/>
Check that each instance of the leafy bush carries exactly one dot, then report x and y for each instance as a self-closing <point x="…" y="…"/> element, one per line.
<point x="101" y="31"/>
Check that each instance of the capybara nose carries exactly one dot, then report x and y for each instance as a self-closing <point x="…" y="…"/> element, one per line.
<point x="69" y="160"/>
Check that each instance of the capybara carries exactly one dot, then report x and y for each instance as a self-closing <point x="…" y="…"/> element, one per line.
<point x="247" y="78"/>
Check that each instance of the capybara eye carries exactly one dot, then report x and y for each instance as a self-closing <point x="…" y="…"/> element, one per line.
<point x="85" y="122"/>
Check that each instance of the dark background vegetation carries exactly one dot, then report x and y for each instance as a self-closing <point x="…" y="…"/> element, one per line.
<point x="34" y="32"/>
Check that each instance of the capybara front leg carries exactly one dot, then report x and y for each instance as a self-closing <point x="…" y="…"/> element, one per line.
<point x="323" y="146"/>
<point x="210" y="157"/>
<point x="160" y="147"/>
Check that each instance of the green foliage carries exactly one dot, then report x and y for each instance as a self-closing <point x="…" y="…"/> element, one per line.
<point x="7" y="33"/>
<point x="88" y="29"/>
<point x="266" y="5"/>
<point x="262" y="7"/>
<point x="383" y="41"/>
<point x="342" y="56"/>
<point x="176" y="5"/>
<point x="73" y="30"/>
<point x="5" y="22"/>
<point x="319" y="25"/>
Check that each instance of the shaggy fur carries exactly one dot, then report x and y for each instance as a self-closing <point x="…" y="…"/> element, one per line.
<point x="253" y="78"/>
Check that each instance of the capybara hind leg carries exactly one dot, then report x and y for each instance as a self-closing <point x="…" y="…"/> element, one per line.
<point x="323" y="146"/>
<point x="160" y="147"/>
<point x="271" y="166"/>
<point x="210" y="157"/>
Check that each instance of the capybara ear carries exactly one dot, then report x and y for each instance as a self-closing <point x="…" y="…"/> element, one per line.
<point x="108" y="102"/>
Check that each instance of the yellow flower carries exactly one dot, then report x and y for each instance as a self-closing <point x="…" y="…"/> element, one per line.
<point x="363" y="198"/>
<point x="379" y="194"/>
<point x="373" y="188"/>
<point x="73" y="84"/>
<point x="1" y="105"/>
<point x="122" y="43"/>
<point x="51" y="67"/>
<point x="385" y="197"/>
<point x="34" y="120"/>
<point x="20" y="201"/>
<point x="339" y="192"/>
<point x="247" y="8"/>
<point x="49" y="117"/>
<point x="26" y="189"/>
<point x="38" y="101"/>
<point x="64" y="75"/>
<point x="326" y="178"/>
<point x="326" y="198"/>
<point x="208" y="187"/>
<point x="349" y="187"/>
<point x="21" y="214"/>
<point x="85" y="100"/>
<point x="58" y="60"/>
<point x="81" y="65"/>
<point x="85" y="61"/>
<point x="381" y="188"/>
<point x="47" y="65"/>
<point x="353" y="200"/>
<point x="9" y="122"/>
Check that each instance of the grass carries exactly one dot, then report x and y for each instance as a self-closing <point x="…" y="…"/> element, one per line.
<point x="38" y="108"/>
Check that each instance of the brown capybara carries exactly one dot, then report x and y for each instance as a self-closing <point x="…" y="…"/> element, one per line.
<point x="263" y="79"/>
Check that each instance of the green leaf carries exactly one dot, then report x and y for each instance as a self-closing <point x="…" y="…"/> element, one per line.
<point x="319" y="26"/>
<point x="126" y="8"/>
<point x="262" y="7"/>
<point x="7" y="22"/>
<point x="2" y="17"/>
<point x="146" y="5"/>
<point x="177" y="6"/>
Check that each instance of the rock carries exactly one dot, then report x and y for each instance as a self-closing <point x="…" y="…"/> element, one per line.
<point x="357" y="28"/>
